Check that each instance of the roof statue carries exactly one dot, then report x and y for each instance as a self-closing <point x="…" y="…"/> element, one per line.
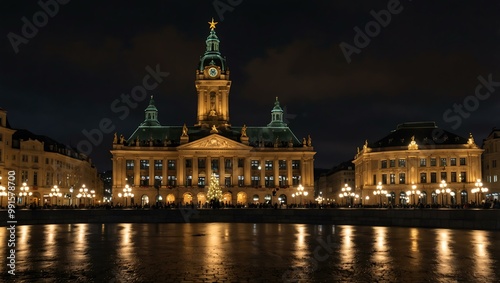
<point x="365" y="146"/>
<point x="122" y="139"/>
<point x="309" y="140"/>
<point x="244" y="131"/>
<point x="184" y="130"/>
<point x="115" y="139"/>
<point x="214" y="130"/>
<point x="304" y="142"/>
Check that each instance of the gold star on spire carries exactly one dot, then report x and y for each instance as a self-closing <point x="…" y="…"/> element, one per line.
<point x="212" y="24"/>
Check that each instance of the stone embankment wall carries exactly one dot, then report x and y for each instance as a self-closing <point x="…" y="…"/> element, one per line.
<point x="487" y="219"/>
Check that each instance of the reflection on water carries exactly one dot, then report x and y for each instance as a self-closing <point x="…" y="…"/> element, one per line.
<point x="251" y="252"/>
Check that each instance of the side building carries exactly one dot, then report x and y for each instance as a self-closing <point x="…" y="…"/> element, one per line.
<point x="419" y="163"/>
<point x="491" y="164"/>
<point x="174" y="164"/>
<point x="53" y="172"/>
<point x="333" y="185"/>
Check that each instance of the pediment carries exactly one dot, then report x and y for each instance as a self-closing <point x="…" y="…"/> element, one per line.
<point x="214" y="141"/>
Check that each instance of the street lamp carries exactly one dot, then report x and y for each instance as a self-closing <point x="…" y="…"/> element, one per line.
<point x="319" y="199"/>
<point x="341" y="196"/>
<point x="55" y="193"/>
<point x="301" y="192"/>
<point x="413" y="192"/>
<point x="479" y="190"/>
<point x="127" y="192"/>
<point x="2" y="194"/>
<point x="443" y="190"/>
<point x="24" y="192"/>
<point x="84" y="193"/>
<point x="380" y="192"/>
<point x="294" y="203"/>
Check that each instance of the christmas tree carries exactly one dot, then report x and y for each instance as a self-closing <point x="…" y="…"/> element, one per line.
<point x="214" y="191"/>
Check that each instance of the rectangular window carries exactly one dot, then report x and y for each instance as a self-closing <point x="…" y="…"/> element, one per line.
<point x="35" y="178"/>
<point x="24" y="158"/>
<point x="189" y="163"/>
<point x="215" y="164"/>
<point x="462" y="161"/>
<point x="423" y="162"/>
<point x="48" y="179"/>
<point x="130" y="179"/>
<point x="393" y="178"/>
<point x="228" y="163"/>
<point x="158" y="165"/>
<point x="201" y="181"/>
<point x="295" y="180"/>
<point x="295" y="164"/>
<point x="241" y="181"/>
<point x="495" y="178"/>
<point x="144" y="180"/>
<point x="241" y="162"/>
<point x="463" y="177"/>
<point x="255" y="164"/>
<point x="144" y="164"/>
<point x="269" y="165"/>
<point x="227" y="181"/>
<point x="255" y="181"/>
<point x="433" y="177"/>
<point x="453" y="177"/>
<point x="171" y="164"/>
<point x="384" y="179"/>
<point x="282" y="164"/>
<point x="283" y="181"/>
<point x="189" y="181"/>
<point x="383" y="164"/>
<point x="269" y="181"/>
<point x="392" y="163"/>
<point x="402" y="178"/>
<point x="443" y="176"/>
<point x="423" y="178"/>
<point x="24" y="176"/>
<point x="172" y="180"/>
<point x="453" y="161"/>
<point x="129" y="164"/>
<point x="201" y="162"/>
<point x="433" y="161"/>
<point x="493" y="164"/>
<point x="442" y="162"/>
<point x="1" y="137"/>
<point x="374" y="179"/>
<point x="34" y="159"/>
<point x="402" y="163"/>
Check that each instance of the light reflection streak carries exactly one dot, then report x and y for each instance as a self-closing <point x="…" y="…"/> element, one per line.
<point x="445" y="257"/>
<point x="125" y="246"/>
<point x="482" y="257"/>
<point x="347" y="247"/>
<point x="300" y="250"/>
<point x="79" y="254"/>
<point x="380" y="247"/>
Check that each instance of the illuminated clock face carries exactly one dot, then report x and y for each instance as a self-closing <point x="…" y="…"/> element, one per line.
<point x="212" y="72"/>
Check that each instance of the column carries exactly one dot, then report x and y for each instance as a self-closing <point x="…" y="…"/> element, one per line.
<point x="276" y="172"/>
<point x="195" y="171"/>
<point x="302" y="172"/>
<point x="164" y="173"/>
<point x="222" y="170"/>
<point x="235" y="174"/>
<point x="262" y="164"/>
<point x="151" y="172"/>
<point x="289" y="172"/>
<point x="137" y="172"/>
<point x="181" y="171"/>
<point x="208" y="169"/>
<point x="246" y="170"/>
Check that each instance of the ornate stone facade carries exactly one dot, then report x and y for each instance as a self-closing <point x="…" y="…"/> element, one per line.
<point x="173" y="164"/>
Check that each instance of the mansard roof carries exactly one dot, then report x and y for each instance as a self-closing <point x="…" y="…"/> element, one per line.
<point x="424" y="133"/>
<point x="257" y="136"/>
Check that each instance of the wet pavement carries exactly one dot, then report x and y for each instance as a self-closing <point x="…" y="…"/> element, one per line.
<point x="234" y="252"/>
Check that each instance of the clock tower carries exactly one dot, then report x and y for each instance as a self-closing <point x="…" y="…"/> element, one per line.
<point x="212" y="84"/>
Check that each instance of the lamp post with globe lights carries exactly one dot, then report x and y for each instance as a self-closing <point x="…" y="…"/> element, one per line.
<point x="25" y="192"/>
<point x="413" y="192"/>
<point x="346" y="192"/>
<point x="301" y="192"/>
<point x="127" y="192"/>
<point x="380" y="192"/>
<point x="55" y="192"/>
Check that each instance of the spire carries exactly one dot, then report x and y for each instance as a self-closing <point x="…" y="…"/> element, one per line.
<point x="151" y="114"/>
<point x="212" y="55"/>
<point x="277" y="115"/>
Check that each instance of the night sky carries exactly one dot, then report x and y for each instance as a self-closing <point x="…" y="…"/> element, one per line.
<point x="422" y="64"/>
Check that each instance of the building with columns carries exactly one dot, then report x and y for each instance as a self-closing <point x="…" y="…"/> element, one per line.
<point x="53" y="172"/>
<point x="174" y="164"/>
<point x="418" y="162"/>
<point x="491" y="163"/>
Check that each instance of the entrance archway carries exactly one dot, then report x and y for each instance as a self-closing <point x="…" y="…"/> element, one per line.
<point x="241" y="198"/>
<point x="202" y="198"/>
<point x="170" y="198"/>
<point x="187" y="198"/>
<point x="226" y="198"/>
<point x="144" y="200"/>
